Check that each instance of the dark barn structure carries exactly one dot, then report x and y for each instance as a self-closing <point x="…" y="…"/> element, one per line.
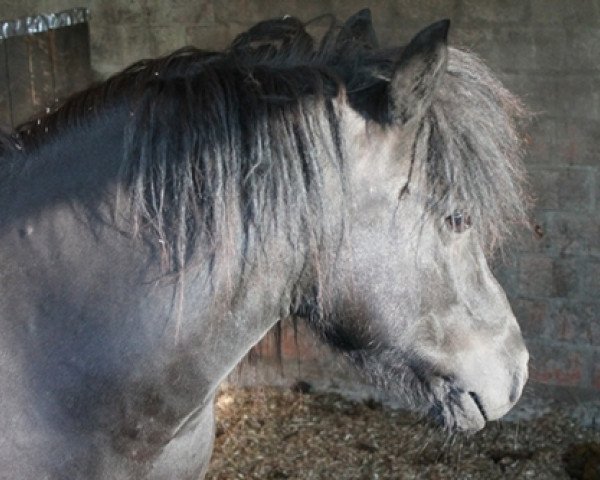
<point x="43" y="58"/>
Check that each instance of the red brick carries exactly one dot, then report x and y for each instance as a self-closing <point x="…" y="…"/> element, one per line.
<point x="591" y="284"/>
<point x="556" y="365"/>
<point x="571" y="234"/>
<point x="535" y="276"/>
<point x="303" y="347"/>
<point x="543" y="276"/>
<point x="567" y="189"/>
<point x="532" y="316"/>
<point x="596" y="373"/>
<point x="577" y="322"/>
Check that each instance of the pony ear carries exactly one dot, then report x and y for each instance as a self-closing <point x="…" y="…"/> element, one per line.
<point x="418" y="72"/>
<point x="358" y="29"/>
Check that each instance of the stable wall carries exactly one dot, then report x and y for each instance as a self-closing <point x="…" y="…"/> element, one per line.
<point x="547" y="51"/>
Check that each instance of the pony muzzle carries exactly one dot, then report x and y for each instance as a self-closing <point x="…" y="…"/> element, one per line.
<point x="483" y="387"/>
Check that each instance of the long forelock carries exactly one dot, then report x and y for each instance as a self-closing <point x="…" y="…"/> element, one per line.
<point x="474" y="152"/>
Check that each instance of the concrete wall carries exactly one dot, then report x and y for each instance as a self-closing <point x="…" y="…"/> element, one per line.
<point x="547" y="51"/>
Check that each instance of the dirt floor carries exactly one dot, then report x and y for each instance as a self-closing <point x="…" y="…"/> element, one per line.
<point x="268" y="433"/>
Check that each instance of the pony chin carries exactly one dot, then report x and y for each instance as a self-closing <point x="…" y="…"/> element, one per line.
<point x="419" y="387"/>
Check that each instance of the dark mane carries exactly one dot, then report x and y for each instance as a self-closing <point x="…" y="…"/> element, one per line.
<point x="217" y="135"/>
<point x="123" y="87"/>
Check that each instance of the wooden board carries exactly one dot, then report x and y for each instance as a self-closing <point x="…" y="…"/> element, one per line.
<point x="70" y="54"/>
<point x="5" y="102"/>
<point x="37" y="69"/>
<point x="30" y="76"/>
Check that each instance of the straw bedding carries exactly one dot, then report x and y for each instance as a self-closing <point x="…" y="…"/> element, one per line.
<point x="270" y="433"/>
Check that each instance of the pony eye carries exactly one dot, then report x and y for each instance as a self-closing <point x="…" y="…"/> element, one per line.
<point x="458" y="222"/>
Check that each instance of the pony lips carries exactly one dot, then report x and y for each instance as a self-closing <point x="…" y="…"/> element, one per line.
<point x="181" y="208"/>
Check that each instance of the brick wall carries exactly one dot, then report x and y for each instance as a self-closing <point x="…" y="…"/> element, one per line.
<point x="547" y="51"/>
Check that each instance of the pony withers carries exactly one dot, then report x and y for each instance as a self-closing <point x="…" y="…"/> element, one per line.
<point x="157" y="225"/>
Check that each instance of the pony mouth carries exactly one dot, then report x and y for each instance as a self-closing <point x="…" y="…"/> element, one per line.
<point x="417" y="382"/>
<point x="458" y="411"/>
<point x="479" y="405"/>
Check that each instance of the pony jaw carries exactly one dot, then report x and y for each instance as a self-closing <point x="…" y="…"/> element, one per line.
<point x="440" y="395"/>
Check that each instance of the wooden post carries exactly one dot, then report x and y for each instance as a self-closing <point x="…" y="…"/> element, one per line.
<point x="5" y="100"/>
<point x="42" y="59"/>
<point x="70" y="54"/>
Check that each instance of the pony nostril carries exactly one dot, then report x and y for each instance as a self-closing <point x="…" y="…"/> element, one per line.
<point x="519" y="380"/>
<point x="477" y="402"/>
<point x="515" y="391"/>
